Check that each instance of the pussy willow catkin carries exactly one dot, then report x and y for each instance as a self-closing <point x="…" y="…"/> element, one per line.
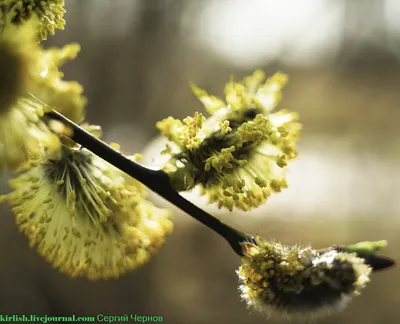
<point x="86" y="217"/>
<point x="299" y="280"/>
<point x="238" y="156"/>
<point x="30" y="76"/>
<point x="48" y="12"/>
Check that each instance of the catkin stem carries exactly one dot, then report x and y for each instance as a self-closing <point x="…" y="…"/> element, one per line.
<point x="156" y="180"/>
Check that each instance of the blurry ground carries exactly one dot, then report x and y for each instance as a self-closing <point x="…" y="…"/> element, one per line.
<point x="136" y="62"/>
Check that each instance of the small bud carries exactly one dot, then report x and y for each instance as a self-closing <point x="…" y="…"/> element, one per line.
<point x="366" y="247"/>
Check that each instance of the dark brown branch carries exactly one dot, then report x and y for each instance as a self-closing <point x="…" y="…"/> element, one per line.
<point x="155" y="180"/>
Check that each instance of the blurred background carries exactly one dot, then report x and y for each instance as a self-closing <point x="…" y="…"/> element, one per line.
<point x="137" y="59"/>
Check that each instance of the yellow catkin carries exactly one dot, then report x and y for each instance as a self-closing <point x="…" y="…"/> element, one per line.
<point x="48" y="12"/>
<point x="86" y="217"/>
<point x="298" y="280"/>
<point x="238" y="156"/>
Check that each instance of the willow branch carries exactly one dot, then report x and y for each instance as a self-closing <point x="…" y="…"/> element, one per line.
<point x="155" y="180"/>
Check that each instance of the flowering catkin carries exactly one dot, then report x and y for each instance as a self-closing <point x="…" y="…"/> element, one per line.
<point x="48" y="12"/>
<point x="86" y="217"/>
<point x="238" y="156"/>
<point x="29" y="77"/>
<point x="299" y="280"/>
